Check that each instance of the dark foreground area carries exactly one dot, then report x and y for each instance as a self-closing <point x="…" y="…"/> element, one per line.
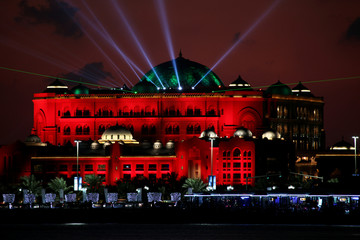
<point x="178" y="216"/>
<point x="109" y="231"/>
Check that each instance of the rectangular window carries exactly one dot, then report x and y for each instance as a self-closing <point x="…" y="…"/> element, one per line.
<point x="63" y="168"/>
<point x="103" y="177"/>
<point x="152" y="167"/>
<point x="165" y="167"/>
<point x="50" y="168"/>
<point x="127" y="167"/>
<point x="37" y="168"/>
<point x="89" y="167"/>
<point x="74" y="167"/>
<point x="249" y="165"/>
<point x="152" y="176"/>
<point x="164" y="176"/>
<point x="237" y="176"/>
<point x="139" y="167"/>
<point x="224" y="176"/>
<point x="127" y="176"/>
<point x="237" y="165"/>
<point x="101" y="167"/>
<point x="244" y="164"/>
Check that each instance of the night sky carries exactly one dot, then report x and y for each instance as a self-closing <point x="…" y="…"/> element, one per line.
<point x="290" y="41"/>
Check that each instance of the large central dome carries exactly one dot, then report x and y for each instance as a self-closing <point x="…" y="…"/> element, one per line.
<point x="189" y="75"/>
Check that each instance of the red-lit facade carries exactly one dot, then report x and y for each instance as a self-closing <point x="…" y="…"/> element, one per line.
<point x="62" y="116"/>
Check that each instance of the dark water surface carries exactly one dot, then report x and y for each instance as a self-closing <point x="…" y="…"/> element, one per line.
<point x="122" y="231"/>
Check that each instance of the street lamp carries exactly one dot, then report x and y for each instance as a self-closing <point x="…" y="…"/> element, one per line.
<point x="355" y="138"/>
<point x="76" y="180"/>
<point x="210" y="135"/>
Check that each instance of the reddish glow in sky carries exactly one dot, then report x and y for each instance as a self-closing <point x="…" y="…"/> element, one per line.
<point x="297" y="41"/>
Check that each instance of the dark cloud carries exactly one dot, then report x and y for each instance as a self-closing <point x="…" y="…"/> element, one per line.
<point x="56" y="13"/>
<point x="353" y="32"/>
<point x="91" y="72"/>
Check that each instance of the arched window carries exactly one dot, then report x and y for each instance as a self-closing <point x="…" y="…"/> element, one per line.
<point x="236" y="153"/>
<point x="190" y="111"/>
<point x="131" y="128"/>
<point x="190" y="129"/>
<point x="249" y="154"/>
<point x="197" y="111"/>
<point x="86" y="112"/>
<point x="211" y="111"/>
<point x="197" y="129"/>
<point x="245" y="153"/>
<point x="67" y="113"/>
<point x="144" y="130"/>
<point x="86" y="130"/>
<point x="78" y="130"/>
<point x="101" y="129"/>
<point x="168" y="129"/>
<point x="176" y="129"/>
<point x="152" y="130"/>
<point x="147" y="111"/>
<point x="172" y="111"/>
<point x="66" y="130"/>
<point x="78" y="112"/>
<point x="137" y="111"/>
<point x="105" y="112"/>
<point x="126" y="111"/>
<point x="224" y="154"/>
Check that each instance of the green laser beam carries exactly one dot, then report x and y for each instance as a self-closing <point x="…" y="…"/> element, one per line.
<point x="314" y="81"/>
<point x="64" y="79"/>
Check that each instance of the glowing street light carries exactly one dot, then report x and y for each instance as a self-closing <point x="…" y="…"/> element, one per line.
<point x="77" y="180"/>
<point x="355" y="171"/>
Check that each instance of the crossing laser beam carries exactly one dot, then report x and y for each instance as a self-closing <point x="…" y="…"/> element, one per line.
<point x="243" y="36"/>
<point x="133" y="35"/>
<point x="166" y="31"/>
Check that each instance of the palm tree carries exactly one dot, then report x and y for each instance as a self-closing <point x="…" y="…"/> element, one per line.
<point x="196" y="184"/>
<point x="59" y="183"/>
<point x="31" y="184"/>
<point x="94" y="183"/>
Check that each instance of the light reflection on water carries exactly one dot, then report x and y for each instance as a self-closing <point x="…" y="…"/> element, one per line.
<point x="91" y="231"/>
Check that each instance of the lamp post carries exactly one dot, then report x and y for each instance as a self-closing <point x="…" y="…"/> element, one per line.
<point x="210" y="135"/>
<point x="76" y="185"/>
<point x="355" y="138"/>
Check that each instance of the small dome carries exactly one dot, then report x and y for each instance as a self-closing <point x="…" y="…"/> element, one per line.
<point x="342" y="145"/>
<point x="240" y="84"/>
<point x="116" y="133"/>
<point x="106" y="144"/>
<point x="80" y="89"/>
<point x="208" y="134"/>
<point x="279" y="88"/>
<point x="57" y="87"/>
<point x="157" y="144"/>
<point x="270" y="135"/>
<point x="170" y="145"/>
<point x="94" y="145"/>
<point x="243" y="133"/>
<point x="33" y="139"/>
<point x="301" y="90"/>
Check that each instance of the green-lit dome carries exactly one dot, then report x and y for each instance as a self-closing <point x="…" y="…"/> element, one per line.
<point x="189" y="74"/>
<point x="80" y="89"/>
<point x="279" y="88"/>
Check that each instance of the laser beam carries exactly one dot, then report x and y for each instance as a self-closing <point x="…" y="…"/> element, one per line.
<point x="133" y="35"/>
<point x="243" y="36"/>
<point x="166" y="31"/>
<point x="295" y="83"/>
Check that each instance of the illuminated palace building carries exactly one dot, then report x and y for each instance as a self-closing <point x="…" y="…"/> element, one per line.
<point x="187" y="122"/>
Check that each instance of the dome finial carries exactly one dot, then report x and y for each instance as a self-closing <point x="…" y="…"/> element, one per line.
<point x="180" y="54"/>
